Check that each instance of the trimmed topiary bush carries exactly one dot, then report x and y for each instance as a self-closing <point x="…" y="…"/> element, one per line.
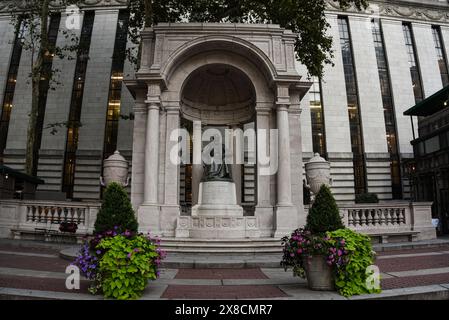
<point x="324" y="215"/>
<point x="366" y="198"/>
<point x="116" y="211"/>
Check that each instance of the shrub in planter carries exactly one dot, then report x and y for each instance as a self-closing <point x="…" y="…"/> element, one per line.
<point x="347" y="253"/>
<point x="120" y="264"/>
<point x="366" y="198"/>
<point x="353" y="277"/>
<point x="116" y="210"/>
<point x="324" y="215"/>
<point x="127" y="265"/>
<point x="302" y="244"/>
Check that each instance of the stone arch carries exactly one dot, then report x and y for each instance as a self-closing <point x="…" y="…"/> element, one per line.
<point x="179" y="73"/>
<point x="223" y="44"/>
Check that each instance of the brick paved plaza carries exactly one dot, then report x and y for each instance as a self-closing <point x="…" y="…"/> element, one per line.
<point x="36" y="271"/>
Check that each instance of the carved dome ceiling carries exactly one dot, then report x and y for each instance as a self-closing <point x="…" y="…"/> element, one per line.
<point x="218" y="94"/>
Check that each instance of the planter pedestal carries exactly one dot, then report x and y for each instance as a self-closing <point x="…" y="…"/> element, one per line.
<point x="319" y="274"/>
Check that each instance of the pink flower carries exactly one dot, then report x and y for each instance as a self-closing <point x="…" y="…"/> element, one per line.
<point x="340" y="253"/>
<point x="299" y="251"/>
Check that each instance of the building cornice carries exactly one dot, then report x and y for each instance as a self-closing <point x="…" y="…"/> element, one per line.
<point x="429" y="11"/>
<point x="6" y="5"/>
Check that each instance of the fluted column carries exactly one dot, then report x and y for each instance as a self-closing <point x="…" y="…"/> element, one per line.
<point x="286" y="215"/>
<point x="284" y="186"/>
<point x="197" y="167"/>
<point x="171" y="168"/>
<point x="152" y="145"/>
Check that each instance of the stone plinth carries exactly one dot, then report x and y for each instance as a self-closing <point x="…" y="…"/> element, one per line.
<point x="217" y="227"/>
<point x="217" y="215"/>
<point x="217" y="198"/>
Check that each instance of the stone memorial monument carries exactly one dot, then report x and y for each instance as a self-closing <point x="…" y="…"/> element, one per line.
<point x="217" y="191"/>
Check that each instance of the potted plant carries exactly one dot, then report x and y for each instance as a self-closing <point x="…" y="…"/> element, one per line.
<point x="329" y="255"/>
<point x="308" y="250"/>
<point x="117" y="259"/>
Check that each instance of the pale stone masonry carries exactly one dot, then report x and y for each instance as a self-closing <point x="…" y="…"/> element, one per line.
<point x="131" y="141"/>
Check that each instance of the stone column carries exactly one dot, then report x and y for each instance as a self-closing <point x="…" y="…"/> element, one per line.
<point x="286" y="218"/>
<point x="235" y="167"/>
<point x="284" y="190"/>
<point x="170" y="211"/>
<point x="152" y="151"/>
<point x="197" y="167"/>
<point x="149" y="211"/>
<point x="138" y="160"/>
<point x="264" y="207"/>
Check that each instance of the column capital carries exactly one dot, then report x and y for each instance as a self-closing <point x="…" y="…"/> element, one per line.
<point x="140" y="107"/>
<point x="263" y="111"/>
<point x="282" y="107"/>
<point x="172" y="110"/>
<point x="171" y="107"/>
<point x="151" y="105"/>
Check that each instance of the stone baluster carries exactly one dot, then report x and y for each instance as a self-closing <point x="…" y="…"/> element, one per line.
<point x="350" y="217"/>
<point x="356" y="217"/>
<point x="370" y="216"/>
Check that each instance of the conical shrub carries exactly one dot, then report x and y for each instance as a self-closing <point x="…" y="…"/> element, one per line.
<point x="116" y="211"/>
<point x="324" y="215"/>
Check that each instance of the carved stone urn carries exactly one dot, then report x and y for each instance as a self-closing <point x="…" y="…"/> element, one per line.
<point x="115" y="169"/>
<point x="318" y="172"/>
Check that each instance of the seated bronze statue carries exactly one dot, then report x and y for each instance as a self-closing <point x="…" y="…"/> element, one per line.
<point x="217" y="171"/>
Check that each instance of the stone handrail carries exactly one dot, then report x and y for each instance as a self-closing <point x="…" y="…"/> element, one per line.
<point x="390" y="217"/>
<point x="34" y="214"/>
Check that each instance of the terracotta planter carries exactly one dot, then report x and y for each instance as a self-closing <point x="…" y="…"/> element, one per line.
<point x="319" y="274"/>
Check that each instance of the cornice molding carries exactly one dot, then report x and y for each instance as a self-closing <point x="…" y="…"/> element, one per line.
<point x="4" y="5"/>
<point x="432" y="11"/>
<point x="429" y="11"/>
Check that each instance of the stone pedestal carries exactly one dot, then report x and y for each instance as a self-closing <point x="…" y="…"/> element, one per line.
<point x="217" y="215"/>
<point x="217" y="198"/>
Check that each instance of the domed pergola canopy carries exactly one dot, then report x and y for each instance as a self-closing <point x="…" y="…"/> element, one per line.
<point x="218" y="94"/>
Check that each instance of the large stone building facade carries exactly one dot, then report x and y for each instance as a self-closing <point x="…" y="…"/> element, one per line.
<point x="386" y="59"/>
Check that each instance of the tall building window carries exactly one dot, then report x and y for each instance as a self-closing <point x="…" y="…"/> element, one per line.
<point x="44" y="86"/>
<point x="388" y="106"/>
<point x="317" y="115"/>
<point x="353" y="107"/>
<point x="8" y="96"/>
<point x="76" y="103"/>
<point x="411" y="53"/>
<point x="442" y="59"/>
<point x="115" y="86"/>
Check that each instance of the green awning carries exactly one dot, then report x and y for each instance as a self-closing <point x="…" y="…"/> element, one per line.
<point x="20" y="175"/>
<point x="430" y="105"/>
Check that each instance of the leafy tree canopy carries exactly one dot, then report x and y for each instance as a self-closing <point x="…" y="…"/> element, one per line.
<point x="304" y="17"/>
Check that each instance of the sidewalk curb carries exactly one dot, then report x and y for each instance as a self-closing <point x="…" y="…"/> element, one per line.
<point x="432" y="292"/>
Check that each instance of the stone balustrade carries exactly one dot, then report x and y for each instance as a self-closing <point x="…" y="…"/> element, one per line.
<point x="390" y="220"/>
<point x="29" y="215"/>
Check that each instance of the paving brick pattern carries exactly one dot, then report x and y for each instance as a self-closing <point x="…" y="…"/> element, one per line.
<point x="222" y="292"/>
<point x="33" y="263"/>
<point x="408" y="251"/>
<point x="413" y="263"/>
<point x="12" y="248"/>
<point x="182" y="291"/>
<point x="415" y="281"/>
<point x="220" y="274"/>
<point x="44" y="284"/>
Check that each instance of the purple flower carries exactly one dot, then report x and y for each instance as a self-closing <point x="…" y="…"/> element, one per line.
<point x="340" y="252"/>
<point x="129" y="255"/>
<point x="98" y="252"/>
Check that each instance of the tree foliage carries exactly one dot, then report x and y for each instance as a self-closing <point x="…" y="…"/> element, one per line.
<point x="304" y="17"/>
<point x="116" y="211"/>
<point x="324" y="215"/>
